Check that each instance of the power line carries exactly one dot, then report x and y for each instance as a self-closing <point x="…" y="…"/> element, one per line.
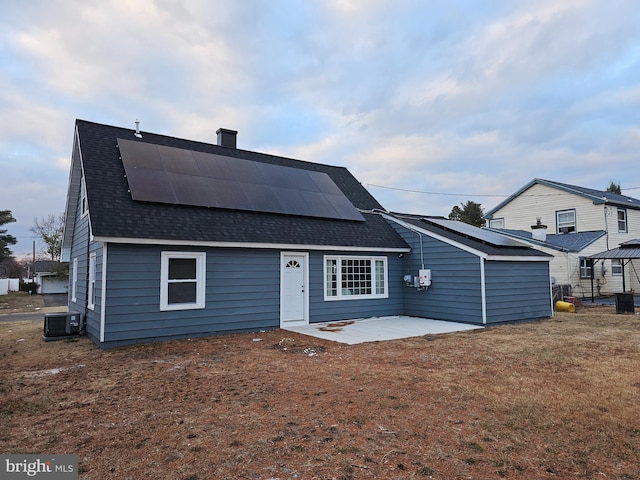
<point x="473" y="194"/>
<point x="437" y="193"/>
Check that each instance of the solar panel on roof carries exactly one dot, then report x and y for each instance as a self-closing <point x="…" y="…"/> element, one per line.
<point x="157" y="173"/>
<point x="462" y="228"/>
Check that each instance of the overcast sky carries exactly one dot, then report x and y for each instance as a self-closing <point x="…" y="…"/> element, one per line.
<point x="460" y="100"/>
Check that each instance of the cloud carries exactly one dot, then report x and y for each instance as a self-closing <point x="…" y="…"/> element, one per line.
<point x="447" y="97"/>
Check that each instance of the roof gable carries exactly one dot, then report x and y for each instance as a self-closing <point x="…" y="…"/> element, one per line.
<point x="596" y="196"/>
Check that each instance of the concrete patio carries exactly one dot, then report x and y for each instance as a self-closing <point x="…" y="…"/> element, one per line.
<point x="376" y="329"/>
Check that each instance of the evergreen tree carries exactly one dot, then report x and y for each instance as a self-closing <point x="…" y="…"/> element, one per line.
<point x="614" y="187"/>
<point x="471" y="213"/>
<point x="5" y="238"/>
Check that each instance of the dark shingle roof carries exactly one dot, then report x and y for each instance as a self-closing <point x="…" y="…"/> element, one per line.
<point x="114" y="214"/>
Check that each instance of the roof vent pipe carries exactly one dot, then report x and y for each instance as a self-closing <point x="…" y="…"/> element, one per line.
<point x="539" y="231"/>
<point x="138" y="134"/>
<point x="226" y="138"/>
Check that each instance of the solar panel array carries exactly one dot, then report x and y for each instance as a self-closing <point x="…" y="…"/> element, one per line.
<point x="470" y="231"/>
<point x="157" y="173"/>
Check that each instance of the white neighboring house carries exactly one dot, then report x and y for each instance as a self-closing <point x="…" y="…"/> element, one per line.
<point x="47" y="279"/>
<point x="579" y="222"/>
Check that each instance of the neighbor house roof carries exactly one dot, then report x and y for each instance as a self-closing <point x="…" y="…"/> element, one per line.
<point x="596" y="196"/>
<point x="627" y="250"/>
<point x="481" y="240"/>
<point x="115" y="216"/>
<point x="565" y="242"/>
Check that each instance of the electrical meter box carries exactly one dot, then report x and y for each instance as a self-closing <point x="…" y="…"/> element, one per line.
<point x="424" y="279"/>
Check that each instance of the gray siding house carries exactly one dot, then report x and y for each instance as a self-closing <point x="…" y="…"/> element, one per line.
<point x="170" y="238"/>
<point x="477" y="276"/>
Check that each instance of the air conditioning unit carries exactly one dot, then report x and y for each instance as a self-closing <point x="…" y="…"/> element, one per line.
<point x="61" y="325"/>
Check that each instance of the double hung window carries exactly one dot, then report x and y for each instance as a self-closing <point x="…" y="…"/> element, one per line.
<point x="91" y="295"/>
<point x="182" y="284"/>
<point x="622" y="220"/>
<point x="566" y="221"/>
<point x="586" y="267"/>
<point x="616" y="267"/>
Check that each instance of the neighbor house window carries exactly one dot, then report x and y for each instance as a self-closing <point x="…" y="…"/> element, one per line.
<point x="91" y="297"/>
<point x="74" y="280"/>
<point x="586" y="266"/>
<point x="182" y="280"/>
<point x="355" y="277"/>
<point x="622" y="220"/>
<point x="496" y="223"/>
<point x="566" y="221"/>
<point x="616" y="267"/>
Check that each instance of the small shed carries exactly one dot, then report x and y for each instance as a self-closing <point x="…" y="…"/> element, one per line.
<point x="474" y="275"/>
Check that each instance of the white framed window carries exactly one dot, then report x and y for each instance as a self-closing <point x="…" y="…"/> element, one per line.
<point x="91" y="294"/>
<point x="182" y="280"/>
<point x="622" y="220"/>
<point x="496" y="223"/>
<point x="348" y="277"/>
<point x="566" y="221"/>
<point x="586" y="266"/>
<point x="74" y="280"/>
<point x="83" y="197"/>
<point x="616" y="267"/>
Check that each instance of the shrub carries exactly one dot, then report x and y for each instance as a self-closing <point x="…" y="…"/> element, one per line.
<point x="30" y="288"/>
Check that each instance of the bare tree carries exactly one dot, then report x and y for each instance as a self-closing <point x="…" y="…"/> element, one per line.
<point x="50" y="229"/>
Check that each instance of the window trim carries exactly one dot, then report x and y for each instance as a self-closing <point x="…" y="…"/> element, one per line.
<point x="339" y="295"/>
<point x="616" y="270"/>
<point x="201" y="268"/>
<point x="84" y="208"/>
<point x="499" y="220"/>
<point x="585" y="269"/>
<point x="74" y="281"/>
<point x="574" y="223"/>
<point x="91" y="290"/>
<point x="625" y="220"/>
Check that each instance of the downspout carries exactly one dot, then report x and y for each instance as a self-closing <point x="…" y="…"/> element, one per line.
<point x="407" y="226"/>
<point x="606" y="227"/>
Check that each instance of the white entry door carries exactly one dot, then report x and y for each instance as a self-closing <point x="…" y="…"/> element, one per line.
<point x="293" y="289"/>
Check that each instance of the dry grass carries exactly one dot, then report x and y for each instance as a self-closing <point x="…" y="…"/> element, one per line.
<point x="551" y="399"/>
<point x="20" y="302"/>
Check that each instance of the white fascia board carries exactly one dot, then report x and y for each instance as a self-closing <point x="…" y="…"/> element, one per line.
<point x="279" y="246"/>
<point x="514" y="258"/>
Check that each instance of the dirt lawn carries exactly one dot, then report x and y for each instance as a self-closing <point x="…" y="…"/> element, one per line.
<point x="556" y="399"/>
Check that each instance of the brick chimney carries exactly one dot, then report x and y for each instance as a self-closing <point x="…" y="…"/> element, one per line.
<point x="227" y="138"/>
